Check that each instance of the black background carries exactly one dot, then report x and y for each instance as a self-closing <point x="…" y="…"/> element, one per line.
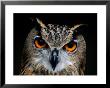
<point x="24" y="22"/>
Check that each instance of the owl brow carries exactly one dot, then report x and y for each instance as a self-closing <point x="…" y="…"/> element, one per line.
<point x="37" y="36"/>
<point x="74" y="37"/>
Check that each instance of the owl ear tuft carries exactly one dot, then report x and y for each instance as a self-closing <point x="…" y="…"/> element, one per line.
<point x="41" y="23"/>
<point x="77" y="26"/>
<point x="80" y="29"/>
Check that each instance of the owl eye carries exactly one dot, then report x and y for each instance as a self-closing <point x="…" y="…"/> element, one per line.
<point x="71" y="46"/>
<point x="40" y="43"/>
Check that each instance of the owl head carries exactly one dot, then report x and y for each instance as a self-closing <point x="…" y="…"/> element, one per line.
<point x="54" y="49"/>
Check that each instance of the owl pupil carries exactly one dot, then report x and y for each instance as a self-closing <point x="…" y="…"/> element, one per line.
<point x="41" y="41"/>
<point x="70" y="44"/>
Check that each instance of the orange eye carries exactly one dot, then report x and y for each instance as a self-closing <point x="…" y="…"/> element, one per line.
<point x="70" y="47"/>
<point x="40" y="43"/>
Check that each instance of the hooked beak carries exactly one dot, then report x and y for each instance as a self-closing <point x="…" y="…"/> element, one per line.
<point x="54" y="58"/>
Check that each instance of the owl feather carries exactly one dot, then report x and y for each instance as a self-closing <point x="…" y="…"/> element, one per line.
<point x="65" y="54"/>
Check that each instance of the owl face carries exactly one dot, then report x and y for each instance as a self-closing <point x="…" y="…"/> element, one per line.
<point x="55" y="49"/>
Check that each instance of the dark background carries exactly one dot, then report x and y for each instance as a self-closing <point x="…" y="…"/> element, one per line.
<point x="24" y="22"/>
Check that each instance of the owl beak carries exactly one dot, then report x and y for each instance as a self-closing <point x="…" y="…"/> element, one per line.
<point x="54" y="58"/>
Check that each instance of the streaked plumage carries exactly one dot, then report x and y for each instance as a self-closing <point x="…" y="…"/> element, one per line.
<point x="64" y="51"/>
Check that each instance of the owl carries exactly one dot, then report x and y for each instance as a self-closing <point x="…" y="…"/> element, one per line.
<point x="54" y="50"/>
